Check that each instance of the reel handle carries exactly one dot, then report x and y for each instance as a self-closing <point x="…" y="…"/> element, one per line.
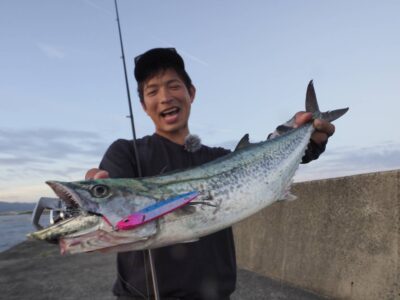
<point x="54" y="204"/>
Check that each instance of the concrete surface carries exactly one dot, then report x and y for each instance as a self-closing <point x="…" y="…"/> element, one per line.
<point x="340" y="238"/>
<point x="35" y="270"/>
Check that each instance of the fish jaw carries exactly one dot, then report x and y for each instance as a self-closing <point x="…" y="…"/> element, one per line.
<point x="91" y="233"/>
<point x="74" y="225"/>
<point x="105" y="237"/>
<point x="82" y="240"/>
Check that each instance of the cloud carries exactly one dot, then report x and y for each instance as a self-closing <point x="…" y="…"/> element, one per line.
<point x="227" y="144"/>
<point x="182" y="52"/>
<point x="194" y="58"/>
<point x="25" y="192"/>
<point x="29" y="157"/>
<point x="19" y="147"/>
<point x="99" y="8"/>
<point x="338" y="162"/>
<point x="352" y="160"/>
<point x="51" y="51"/>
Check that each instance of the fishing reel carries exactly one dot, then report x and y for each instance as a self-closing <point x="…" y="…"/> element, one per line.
<point x="58" y="211"/>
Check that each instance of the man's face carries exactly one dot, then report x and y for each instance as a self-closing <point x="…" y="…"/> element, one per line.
<point x="167" y="101"/>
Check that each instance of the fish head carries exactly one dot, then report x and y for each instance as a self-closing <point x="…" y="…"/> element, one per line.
<point x="113" y="199"/>
<point x="93" y="208"/>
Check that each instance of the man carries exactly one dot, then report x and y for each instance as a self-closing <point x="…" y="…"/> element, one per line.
<point x="205" y="269"/>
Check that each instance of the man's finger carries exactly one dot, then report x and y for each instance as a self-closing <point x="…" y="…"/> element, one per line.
<point x="101" y="175"/>
<point x="96" y="174"/>
<point x="324" y="126"/>
<point x="319" y="137"/>
<point x="302" y="118"/>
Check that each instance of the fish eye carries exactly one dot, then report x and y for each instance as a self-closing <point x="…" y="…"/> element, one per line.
<point x="100" y="191"/>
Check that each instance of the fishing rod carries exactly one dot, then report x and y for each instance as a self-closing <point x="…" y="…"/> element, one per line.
<point x="139" y="170"/>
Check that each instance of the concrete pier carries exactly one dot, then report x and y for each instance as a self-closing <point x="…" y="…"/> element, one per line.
<point x="35" y="270"/>
<point x="339" y="239"/>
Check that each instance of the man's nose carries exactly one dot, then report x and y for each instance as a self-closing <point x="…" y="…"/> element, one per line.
<point x="165" y="96"/>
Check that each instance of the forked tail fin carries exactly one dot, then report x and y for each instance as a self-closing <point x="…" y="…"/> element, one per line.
<point x="312" y="106"/>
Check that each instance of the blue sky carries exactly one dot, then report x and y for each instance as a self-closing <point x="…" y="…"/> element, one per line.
<point x="63" y="99"/>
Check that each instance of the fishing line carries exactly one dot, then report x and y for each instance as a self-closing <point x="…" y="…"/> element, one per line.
<point x="139" y="171"/>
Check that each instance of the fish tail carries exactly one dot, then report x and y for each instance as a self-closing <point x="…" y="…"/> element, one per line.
<point x="312" y="106"/>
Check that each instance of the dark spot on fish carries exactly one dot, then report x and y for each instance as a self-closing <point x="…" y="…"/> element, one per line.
<point x="203" y="203"/>
<point x="185" y="210"/>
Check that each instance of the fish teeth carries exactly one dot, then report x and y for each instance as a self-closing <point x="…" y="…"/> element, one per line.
<point x="68" y="196"/>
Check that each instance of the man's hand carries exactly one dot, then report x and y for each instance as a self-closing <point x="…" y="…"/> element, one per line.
<point x="324" y="129"/>
<point x="318" y="140"/>
<point x="96" y="174"/>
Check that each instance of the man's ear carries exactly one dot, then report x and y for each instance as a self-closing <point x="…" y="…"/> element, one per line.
<point x="192" y="92"/>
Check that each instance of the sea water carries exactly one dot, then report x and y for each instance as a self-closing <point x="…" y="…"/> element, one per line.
<point x="14" y="228"/>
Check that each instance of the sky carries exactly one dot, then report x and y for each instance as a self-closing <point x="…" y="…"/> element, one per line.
<point x="63" y="97"/>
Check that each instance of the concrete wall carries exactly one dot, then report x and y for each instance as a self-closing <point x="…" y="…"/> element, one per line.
<point x="339" y="239"/>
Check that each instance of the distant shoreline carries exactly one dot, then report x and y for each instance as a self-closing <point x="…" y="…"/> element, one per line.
<point x="20" y="212"/>
<point x="13" y="213"/>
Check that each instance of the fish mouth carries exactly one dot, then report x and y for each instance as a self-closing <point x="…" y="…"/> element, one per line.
<point x="73" y="218"/>
<point x="75" y="226"/>
<point x="83" y="227"/>
<point x="72" y="210"/>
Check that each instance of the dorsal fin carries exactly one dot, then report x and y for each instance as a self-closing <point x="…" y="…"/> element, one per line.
<point x="243" y="143"/>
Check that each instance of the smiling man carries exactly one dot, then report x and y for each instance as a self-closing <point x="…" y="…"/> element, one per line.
<point x="167" y="102"/>
<point x="205" y="269"/>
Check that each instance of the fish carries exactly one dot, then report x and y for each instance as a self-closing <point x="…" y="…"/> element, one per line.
<point x="117" y="215"/>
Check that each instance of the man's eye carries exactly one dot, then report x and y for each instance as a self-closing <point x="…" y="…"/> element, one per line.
<point x="151" y="93"/>
<point x="175" y="86"/>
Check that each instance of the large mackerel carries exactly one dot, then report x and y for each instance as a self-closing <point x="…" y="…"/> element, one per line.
<point x="222" y="192"/>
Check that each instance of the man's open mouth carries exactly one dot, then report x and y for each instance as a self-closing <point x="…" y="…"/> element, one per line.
<point x="170" y="112"/>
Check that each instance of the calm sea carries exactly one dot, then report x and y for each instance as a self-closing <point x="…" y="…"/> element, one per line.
<point x="14" y="228"/>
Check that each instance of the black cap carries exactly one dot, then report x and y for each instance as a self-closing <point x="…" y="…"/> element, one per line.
<point x="156" y="58"/>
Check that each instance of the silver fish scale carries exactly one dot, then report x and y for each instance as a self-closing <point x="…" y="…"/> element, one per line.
<point x="261" y="173"/>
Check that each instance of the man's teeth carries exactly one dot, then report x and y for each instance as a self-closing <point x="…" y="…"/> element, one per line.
<point x="170" y="112"/>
